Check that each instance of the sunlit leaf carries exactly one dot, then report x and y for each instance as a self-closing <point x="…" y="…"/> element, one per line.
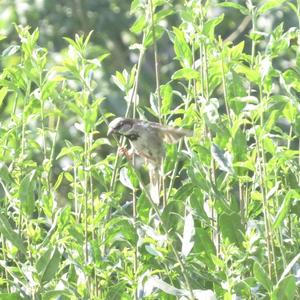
<point x="284" y="208"/>
<point x="186" y="73"/>
<point x="270" y="4"/>
<point x="187" y="242"/>
<point x="182" y="49"/>
<point x="244" y="10"/>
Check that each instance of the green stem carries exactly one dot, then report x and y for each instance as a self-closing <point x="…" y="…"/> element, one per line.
<point x="166" y="232"/>
<point x="157" y="76"/>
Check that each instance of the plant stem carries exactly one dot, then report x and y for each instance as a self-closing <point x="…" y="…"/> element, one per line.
<point x="157" y="76"/>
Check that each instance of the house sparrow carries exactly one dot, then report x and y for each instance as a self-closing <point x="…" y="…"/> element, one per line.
<point x="147" y="140"/>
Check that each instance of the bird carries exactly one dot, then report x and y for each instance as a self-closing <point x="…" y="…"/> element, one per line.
<point x="147" y="140"/>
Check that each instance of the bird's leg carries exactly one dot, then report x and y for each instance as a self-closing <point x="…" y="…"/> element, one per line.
<point x="136" y="160"/>
<point x="127" y="153"/>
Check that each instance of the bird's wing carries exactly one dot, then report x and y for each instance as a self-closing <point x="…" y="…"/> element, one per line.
<point x="171" y="135"/>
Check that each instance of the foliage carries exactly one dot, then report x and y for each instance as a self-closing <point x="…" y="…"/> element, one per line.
<point x="76" y="219"/>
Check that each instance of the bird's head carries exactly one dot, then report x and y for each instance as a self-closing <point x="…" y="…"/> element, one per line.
<point x="121" y="126"/>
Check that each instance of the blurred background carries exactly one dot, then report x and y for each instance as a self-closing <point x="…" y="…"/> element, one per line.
<point x="110" y="21"/>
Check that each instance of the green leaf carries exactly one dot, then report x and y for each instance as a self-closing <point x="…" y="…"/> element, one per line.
<point x="289" y="267"/>
<point x="90" y="118"/>
<point x="187" y="74"/>
<point x="58" y="181"/>
<point x="197" y="202"/>
<point x="239" y="146"/>
<point x="139" y="24"/>
<point x="26" y="193"/>
<point x="236" y="51"/>
<point x="124" y="178"/>
<point x="159" y="31"/>
<point x="151" y="250"/>
<point x="3" y="93"/>
<point x="187" y="242"/>
<point x="262" y="277"/>
<point x="252" y="75"/>
<point x="284" y="208"/>
<point x="73" y="150"/>
<point x="8" y="233"/>
<point x="167" y="96"/>
<point x="211" y="113"/>
<point x="223" y="159"/>
<point x="297" y="126"/>
<point x="56" y="294"/>
<point x="209" y="26"/>
<point x="162" y="14"/>
<point x="11" y="296"/>
<point x="271" y="121"/>
<point x="242" y="9"/>
<point x="270" y="4"/>
<point x="292" y="79"/>
<point x="167" y="288"/>
<point x="48" y="264"/>
<point x="204" y="246"/>
<point x="182" y="49"/>
<point x="231" y="227"/>
<point x="286" y="289"/>
<point x="135" y="5"/>
<point x="5" y="174"/>
<point x="11" y="50"/>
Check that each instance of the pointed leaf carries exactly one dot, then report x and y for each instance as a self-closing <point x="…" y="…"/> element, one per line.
<point x="224" y="162"/>
<point x="262" y="277"/>
<point x="286" y="289"/>
<point x="47" y="265"/>
<point x="231" y="227"/>
<point x="26" y="193"/>
<point x="124" y="178"/>
<point x="188" y="233"/>
<point x="10" y="234"/>
<point x="284" y="208"/>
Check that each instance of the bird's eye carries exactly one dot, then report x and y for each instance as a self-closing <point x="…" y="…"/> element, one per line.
<point x="119" y="125"/>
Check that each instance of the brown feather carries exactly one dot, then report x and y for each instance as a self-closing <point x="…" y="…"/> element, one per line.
<point x="173" y="135"/>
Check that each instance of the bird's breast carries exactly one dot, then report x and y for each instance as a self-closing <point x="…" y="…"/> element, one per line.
<point x="149" y="148"/>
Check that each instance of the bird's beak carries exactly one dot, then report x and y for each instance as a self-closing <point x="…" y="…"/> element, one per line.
<point x="110" y="131"/>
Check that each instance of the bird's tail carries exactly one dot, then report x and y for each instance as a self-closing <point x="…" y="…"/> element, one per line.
<point x="154" y="174"/>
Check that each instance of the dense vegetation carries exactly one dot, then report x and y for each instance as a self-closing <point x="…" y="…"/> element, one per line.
<point x="76" y="219"/>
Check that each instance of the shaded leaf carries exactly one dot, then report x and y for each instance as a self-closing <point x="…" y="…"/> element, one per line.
<point x="10" y="234"/>
<point x="284" y="208"/>
<point x="231" y="227"/>
<point x="261" y="276"/>
<point x="289" y="266"/>
<point x="26" y="193"/>
<point x="286" y="289"/>
<point x="223" y="160"/>
<point x="47" y="264"/>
